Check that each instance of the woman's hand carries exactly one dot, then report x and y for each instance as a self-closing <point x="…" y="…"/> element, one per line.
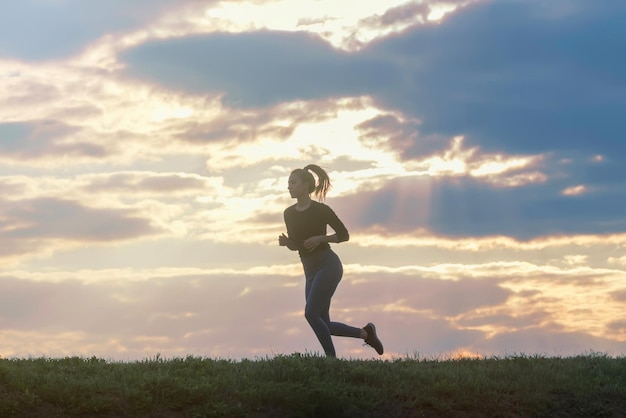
<point x="284" y="241"/>
<point x="311" y="243"/>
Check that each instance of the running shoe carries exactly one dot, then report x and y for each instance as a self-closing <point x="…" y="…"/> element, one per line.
<point x="372" y="339"/>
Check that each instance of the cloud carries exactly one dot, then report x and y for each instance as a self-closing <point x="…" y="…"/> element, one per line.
<point x="619" y="296"/>
<point x="457" y="207"/>
<point x="617" y="326"/>
<point x="504" y="321"/>
<point x="405" y="13"/>
<point x="399" y="135"/>
<point x="507" y="88"/>
<point x="556" y="91"/>
<point x="255" y="69"/>
<point x="510" y="88"/>
<point x="549" y="342"/>
<point x="21" y="90"/>
<point x="42" y="140"/>
<point x="422" y="296"/>
<point x="181" y="315"/>
<point x="133" y="313"/>
<point x="40" y="225"/>
<point x="41" y="30"/>
<point x="141" y="183"/>
<point x="477" y="162"/>
<point x="240" y="126"/>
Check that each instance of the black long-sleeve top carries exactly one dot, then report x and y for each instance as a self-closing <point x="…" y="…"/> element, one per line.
<point x="312" y="222"/>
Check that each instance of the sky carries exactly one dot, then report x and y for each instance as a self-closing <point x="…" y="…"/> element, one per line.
<point x="477" y="150"/>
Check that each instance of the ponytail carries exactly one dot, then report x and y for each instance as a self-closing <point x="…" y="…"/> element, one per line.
<point x="323" y="181"/>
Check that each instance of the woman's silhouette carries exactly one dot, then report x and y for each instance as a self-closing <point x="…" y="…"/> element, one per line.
<point x="306" y="223"/>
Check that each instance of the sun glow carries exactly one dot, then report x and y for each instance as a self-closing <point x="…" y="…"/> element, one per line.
<point x="324" y="140"/>
<point x="566" y="304"/>
<point x="499" y="166"/>
<point x="499" y="169"/>
<point x="337" y="21"/>
<point x="331" y="18"/>
<point x="172" y="111"/>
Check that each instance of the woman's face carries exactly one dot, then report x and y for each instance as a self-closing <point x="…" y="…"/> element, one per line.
<point x="297" y="188"/>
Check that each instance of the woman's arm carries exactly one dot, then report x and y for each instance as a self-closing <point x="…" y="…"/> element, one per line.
<point x="311" y="243"/>
<point x="330" y="218"/>
<point x="341" y="232"/>
<point x="285" y="241"/>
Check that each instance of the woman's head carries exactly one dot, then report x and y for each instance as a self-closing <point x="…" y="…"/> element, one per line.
<point x="305" y="175"/>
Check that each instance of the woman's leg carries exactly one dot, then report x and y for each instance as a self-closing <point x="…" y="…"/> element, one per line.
<point x="320" y="289"/>
<point x="317" y="298"/>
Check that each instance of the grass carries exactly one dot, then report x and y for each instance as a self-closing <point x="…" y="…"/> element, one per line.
<point x="310" y="386"/>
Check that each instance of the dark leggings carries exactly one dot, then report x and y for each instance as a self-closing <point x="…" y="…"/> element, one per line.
<point x="323" y="273"/>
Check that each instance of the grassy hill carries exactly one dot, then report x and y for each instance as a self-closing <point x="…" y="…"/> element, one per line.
<point x="310" y="386"/>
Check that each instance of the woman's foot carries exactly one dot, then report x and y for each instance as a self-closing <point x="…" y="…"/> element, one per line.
<point x="372" y="339"/>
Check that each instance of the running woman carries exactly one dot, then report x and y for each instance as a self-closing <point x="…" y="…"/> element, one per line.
<point x="306" y="223"/>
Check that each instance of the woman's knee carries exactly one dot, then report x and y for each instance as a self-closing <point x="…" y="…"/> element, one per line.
<point x="310" y="313"/>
